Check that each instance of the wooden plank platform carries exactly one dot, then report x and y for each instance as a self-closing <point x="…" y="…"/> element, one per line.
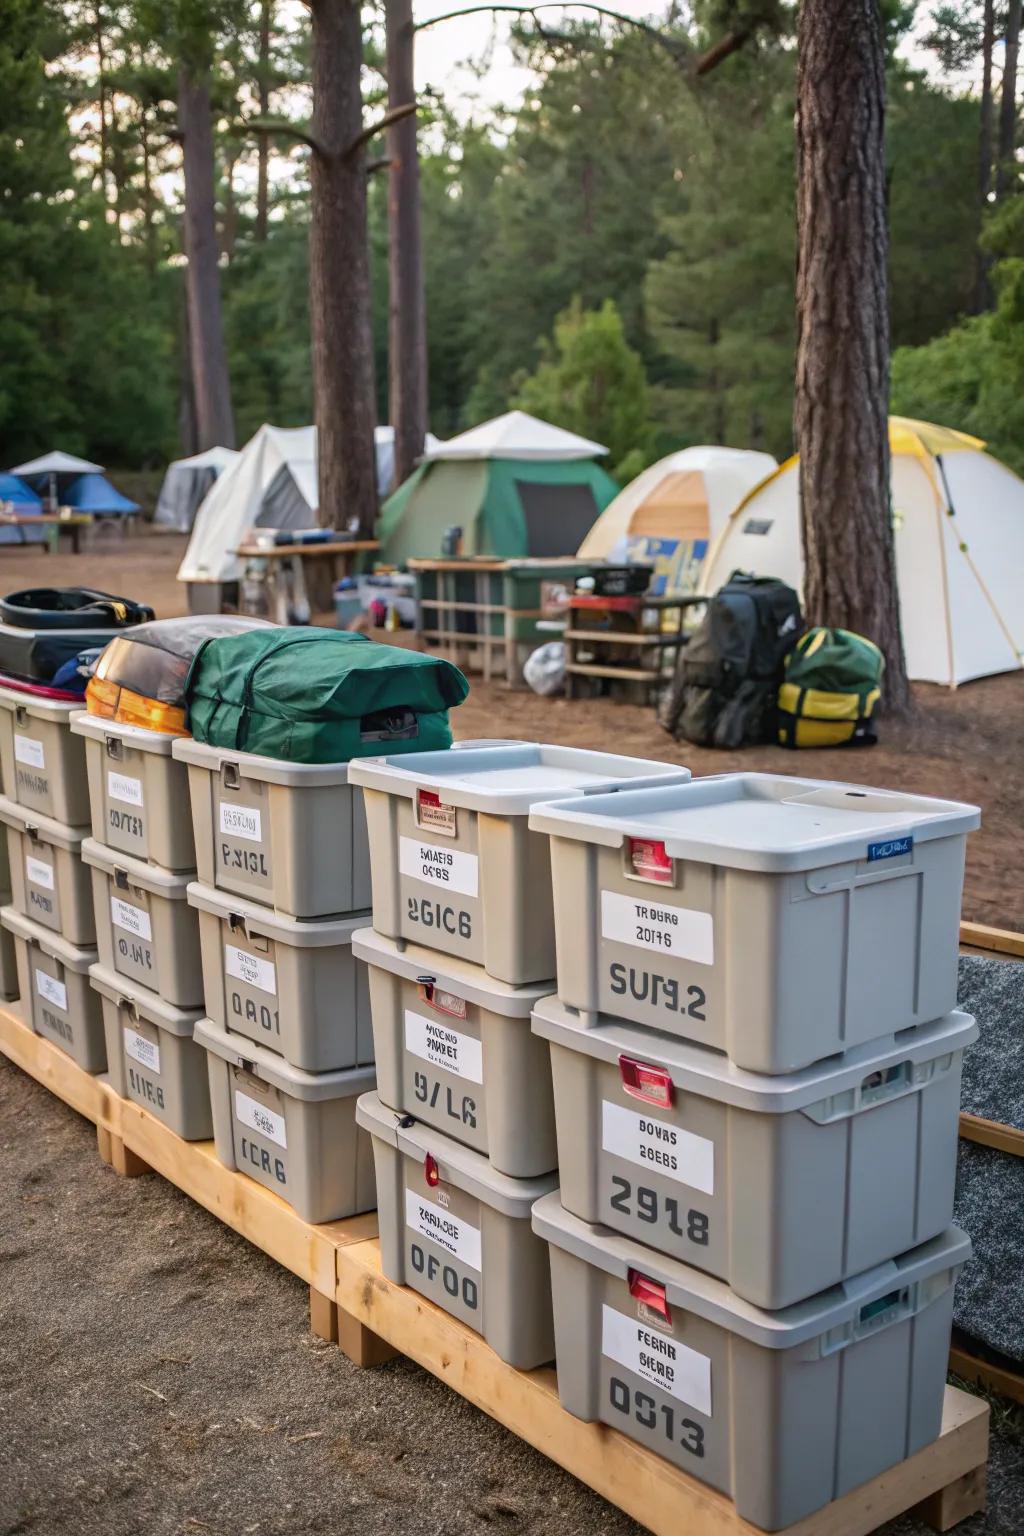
<point x="372" y="1319"/>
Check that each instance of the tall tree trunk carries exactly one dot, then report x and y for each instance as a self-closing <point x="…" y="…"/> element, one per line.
<point x="1005" y="170"/>
<point x="101" y="77"/>
<point x="982" y="289"/>
<point x="407" y="323"/>
<point x="148" y="223"/>
<point x="263" y="142"/>
<point x="187" y="433"/>
<point x="842" y="369"/>
<point x="339" y="274"/>
<point x="211" y="385"/>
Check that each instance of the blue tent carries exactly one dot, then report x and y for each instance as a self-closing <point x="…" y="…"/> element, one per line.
<point x="24" y="501"/>
<point x="94" y="493"/>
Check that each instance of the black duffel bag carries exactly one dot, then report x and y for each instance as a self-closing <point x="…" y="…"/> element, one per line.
<point x="43" y="627"/>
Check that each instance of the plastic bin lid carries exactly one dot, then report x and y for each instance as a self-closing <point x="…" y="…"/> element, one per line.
<point x="764" y="822"/>
<point x="252" y="765"/>
<point x="309" y="933"/>
<point x="58" y="710"/>
<point x="48" y="831"/>
<point x="148" y="877"/>
<point x="701" y="1070"/>
<point x="139" y="1001"/>
<point x="312" y="1087"/>
<point x="467" y="1170"/>
<point x="97" y="728"/>
<point x="70" y="956"/>
<point x="467" y="981"/>
<point x="508" y="780"/>
<point x="714" y="1301"/>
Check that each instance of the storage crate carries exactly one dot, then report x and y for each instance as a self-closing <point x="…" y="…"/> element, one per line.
<point x="53" y="983"/>
<point x="152" y="1057"/>
<point x="42" y="765"/>
<point x="48" y="881"/>
<point x="144" y="926"/>
<point x="138" y="792"/>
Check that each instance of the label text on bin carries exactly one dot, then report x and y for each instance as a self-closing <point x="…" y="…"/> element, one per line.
<point x="39" y="873"/>
<point x="449" y="1232"/>
<point x="241" y="821"/>
<point x="659" y="927"/>
<point x="448" y="868"/>
<point x="259" y="1118"/>
<point x="250" y="969"/>
<point x="662" y="1361"/>
<point x="145" y="1052"/>
<point x="436" y="1042"/>
<point x="54" y="991"/>
<point x="656" y="1145"/>
<point x="29" y="751"/>
<point x="121" y="787"/>
<point x="124" y="915"/>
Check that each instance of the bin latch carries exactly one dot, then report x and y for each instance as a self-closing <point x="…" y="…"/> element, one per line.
<point x="642" y="1081"/>
<point x="651" y="1293"/>
<point x="439" y="1000"/>
<point x="431" y="1172"/>
<point x="115" y="748"/>
<point x="230" y="776"/>
<point x="649" y="860"/>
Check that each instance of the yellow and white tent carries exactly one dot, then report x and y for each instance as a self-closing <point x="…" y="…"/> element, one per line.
<point x="958" y="521"/>
<point x="670" y="513"/>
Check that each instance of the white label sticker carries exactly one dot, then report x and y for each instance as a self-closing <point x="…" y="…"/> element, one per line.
<point x="241" y="821"/>
<point x="654" y="925"/>
<point x="449" y="1232"/>
<point x="259" y="1118"/>
<point x="120" y="787"/>
<point x="145" y="1052"/>
<point x="38" y="872"/>
<point x="447" y="868"/>
<point x="657" y="1358"/>
<point x="29" y="751"/>
<point x="54" y="991"/>
<point x="434" y="1041"/>
<point x="663" y="1148"/>
<point x="124" y="915"/>
<point x="250" y="969"/>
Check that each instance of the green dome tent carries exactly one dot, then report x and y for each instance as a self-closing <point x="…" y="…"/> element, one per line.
<point x="515" y="486"/>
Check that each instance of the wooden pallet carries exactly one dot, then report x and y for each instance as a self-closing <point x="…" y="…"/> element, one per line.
<point x="372" y="1319"/>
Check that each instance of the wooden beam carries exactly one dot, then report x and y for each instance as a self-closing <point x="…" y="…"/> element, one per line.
<point x="323" y="1315"/>
<point x="948" y="1506"/>
<point x="989" y="1133"/>
<point x="1000" y="941"/>
<point x="91" y="1096"/>
<point x="994" y="1378"/>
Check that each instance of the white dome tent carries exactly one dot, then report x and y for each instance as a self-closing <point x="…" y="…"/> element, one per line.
<point x="958" y="521"/>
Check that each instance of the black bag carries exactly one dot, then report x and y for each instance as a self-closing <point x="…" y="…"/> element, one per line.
<point x="725" y="687"/>
<point x="44" y="627"/>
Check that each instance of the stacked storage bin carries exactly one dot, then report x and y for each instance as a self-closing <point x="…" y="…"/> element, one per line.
<point x="461" y="950"/>
<point x="147" y="979"/>
<point x="756" y="1073"/>
<point x="283" y="882"/>
<point x="49" y="919"/>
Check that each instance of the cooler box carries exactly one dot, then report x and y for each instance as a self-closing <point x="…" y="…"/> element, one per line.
<point x="783" y="1411"/>
<point x="780" y="1186"/>
<point x="152" y="1057"/>
<point x="294" y="987"/>
<point x="291" y="835"/>
<point x="137" y="791"/>
<point x="145" y="928"/>
<point x="42" y="766"/>
<point x="458" y="1232"/>
<point x="48" y="881"/>
<point x="779" y="920"/>
<point x="455" y="1050"/>
<point x="293" y="1131"/>
<point x="53" y="983"/>
<point x="455" y="865"/>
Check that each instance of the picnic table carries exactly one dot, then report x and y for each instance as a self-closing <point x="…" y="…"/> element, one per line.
<point x="56" y="523"/>
<point x="287" y="575"/>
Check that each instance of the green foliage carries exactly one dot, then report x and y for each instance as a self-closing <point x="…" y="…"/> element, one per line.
<point x="590" y="381"/>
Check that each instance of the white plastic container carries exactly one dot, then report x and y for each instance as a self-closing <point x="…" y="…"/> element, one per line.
<point x="782" y="1411"/>
<point x="56" y="998"/>
<point x="780" y="1186"/>
<point x="145" y="928"/>
<point x="138" y="792"/>
<point x="152" y="1058"/>
<point x="42" y="766"/>
<point x="779" y="920"/>
<point x="455" y="865"/>
<point x="48" y="881"/>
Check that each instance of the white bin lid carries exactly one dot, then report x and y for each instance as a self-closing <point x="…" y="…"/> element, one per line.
<point x="136" y="999"/>
<point x="70" y="956"/>
<point x="508" y="780"/>
<point x="252" y="765"/>
<point x="465" y="979"/>
<point x="49" y="831"/>
<point x="837" y="1308"/>
<point x="147" y="877"/>
<point x="765" y="822"/>
<point x="313" y="1087"/>
<point x="467" y="1170"/>
<point x="698" y="1069"/>
<point x="134" y="736"/>
<point x="307" y="933"/>
<point x="57" y="710"/>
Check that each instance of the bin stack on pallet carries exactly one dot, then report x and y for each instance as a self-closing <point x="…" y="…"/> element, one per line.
<point x="461" y="950"/>
<point x="756" y="1069"/>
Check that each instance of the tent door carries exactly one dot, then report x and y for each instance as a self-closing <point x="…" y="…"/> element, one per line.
<point x="557" y="516"/>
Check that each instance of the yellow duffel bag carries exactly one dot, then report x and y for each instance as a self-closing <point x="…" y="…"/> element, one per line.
<point x="832" y="685"/>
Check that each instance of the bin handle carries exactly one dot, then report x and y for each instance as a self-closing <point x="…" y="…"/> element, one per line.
<point x="229" y="776"/>
<point x="21" y="714"/>
<point x="882" y="1087"/>
<point x="115" y="748"/>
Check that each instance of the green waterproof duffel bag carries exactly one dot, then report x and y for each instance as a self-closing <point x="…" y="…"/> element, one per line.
<point x="833" y="682"/>
<point x="319" y="695"/>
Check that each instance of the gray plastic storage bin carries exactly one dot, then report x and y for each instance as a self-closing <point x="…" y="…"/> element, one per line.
<point x="48" y="881"/>
<point x="783" y="1411"/>
<point x="454" y="1049"/>
<point x="294" y="987"/>
<point x="42" y="766"/>
<point x="778" y="920"/>
<point x="455" y="865"/>
<point x="138" y="792"/>
<point x="145" y="928"/>
<point x="152" y="1057"/>
<point x="291" y="1130"/>
<point x="780" y="1186"/>
<point x="291" y="835"/>
<point x="458" y="1232"/>
<point x="56" y="998"/>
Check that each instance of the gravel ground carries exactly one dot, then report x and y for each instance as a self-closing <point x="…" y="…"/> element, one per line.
<point x="157" y="1375"/>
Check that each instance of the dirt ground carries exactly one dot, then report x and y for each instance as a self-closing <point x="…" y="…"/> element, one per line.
<point x="966" y="744"/>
